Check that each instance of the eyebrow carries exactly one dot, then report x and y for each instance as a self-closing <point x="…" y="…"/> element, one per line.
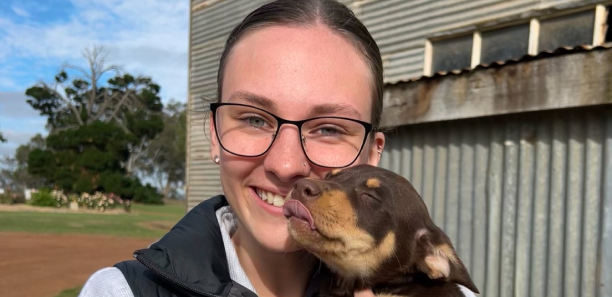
<point x="328" y="109"/>
<point x="320" y="109"/>
<point x="261" y="101"/>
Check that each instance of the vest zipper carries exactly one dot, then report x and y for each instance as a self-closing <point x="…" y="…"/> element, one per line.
<point x="146" y="263"/>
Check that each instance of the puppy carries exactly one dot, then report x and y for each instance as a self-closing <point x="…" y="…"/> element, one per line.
<point x="372" y="229"/>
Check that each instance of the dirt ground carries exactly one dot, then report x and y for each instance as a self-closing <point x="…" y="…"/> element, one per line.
<point x="42" y="265"/>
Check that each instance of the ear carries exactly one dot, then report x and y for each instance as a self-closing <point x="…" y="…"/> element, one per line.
<point x="375" y="148"/>
<point x="437" y="258"/>
<point x="214" y="141"/>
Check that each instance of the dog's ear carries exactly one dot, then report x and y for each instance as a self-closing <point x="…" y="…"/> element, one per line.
<point x="436" y="257"/>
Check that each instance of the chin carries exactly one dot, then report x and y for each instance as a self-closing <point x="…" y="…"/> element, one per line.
<point x="276" y="239"/>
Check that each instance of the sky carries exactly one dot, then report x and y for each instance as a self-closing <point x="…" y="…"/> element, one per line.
<point x="37" y="37"/>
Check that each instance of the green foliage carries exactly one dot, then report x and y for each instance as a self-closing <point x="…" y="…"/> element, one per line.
<point x="14" y="173"/>
<point x="5" y="199"/>
<point x="165" y="161"/>
<point x="2" y="139"/>
<point x="74" y="159"/>
<point x="44" y="198"/>
<point x="12" y="198"/>
<point x="88" y="159"/>
<point x="147" y="195"/>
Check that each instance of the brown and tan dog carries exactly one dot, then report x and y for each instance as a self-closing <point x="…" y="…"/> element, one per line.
<point x="372" y="229"/>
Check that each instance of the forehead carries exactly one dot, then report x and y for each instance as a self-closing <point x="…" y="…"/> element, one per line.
<point x="297" y="68"/>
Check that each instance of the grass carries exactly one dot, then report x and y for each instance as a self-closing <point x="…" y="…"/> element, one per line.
<point x="145" y="221"/>
<point x="70" y="292"/>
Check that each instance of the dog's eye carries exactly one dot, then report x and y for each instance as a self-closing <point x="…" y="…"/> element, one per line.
<point x="370" y="197"/>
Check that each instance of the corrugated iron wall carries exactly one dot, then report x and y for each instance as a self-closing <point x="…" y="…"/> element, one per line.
<point x="210" y="27"/>
<point x="526" y="199"/>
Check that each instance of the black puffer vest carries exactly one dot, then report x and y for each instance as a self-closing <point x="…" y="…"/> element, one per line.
<point x="189" y="260"/>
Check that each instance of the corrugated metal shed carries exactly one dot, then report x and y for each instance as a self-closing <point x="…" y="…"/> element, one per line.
<point x="526" y="198"/>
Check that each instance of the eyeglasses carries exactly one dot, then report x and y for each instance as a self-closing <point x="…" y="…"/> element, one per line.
<point x="248" y="131"/>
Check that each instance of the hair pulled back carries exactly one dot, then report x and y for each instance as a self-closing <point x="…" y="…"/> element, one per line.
<point x="329" y="13"/>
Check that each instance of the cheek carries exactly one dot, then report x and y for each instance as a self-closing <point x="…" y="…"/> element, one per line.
<point x="234" y="172"/>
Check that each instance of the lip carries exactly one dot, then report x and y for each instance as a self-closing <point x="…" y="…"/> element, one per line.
<point x="271" y="209"/>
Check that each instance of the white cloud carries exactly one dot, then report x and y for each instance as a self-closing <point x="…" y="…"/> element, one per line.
<point x="13" y="105"/>
<point x="20" y="12"/>
<point x="147" y="37"/>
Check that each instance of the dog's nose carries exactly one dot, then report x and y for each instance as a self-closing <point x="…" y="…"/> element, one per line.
<point x="307" y="189"/>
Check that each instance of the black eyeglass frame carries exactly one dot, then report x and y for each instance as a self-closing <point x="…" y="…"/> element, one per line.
<point x="215" y="106"/>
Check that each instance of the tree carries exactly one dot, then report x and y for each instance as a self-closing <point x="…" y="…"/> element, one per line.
<point x="2" y="139"/>
<point x="15" y="174"/>
<point x="165" y="159"/>
<point x="130" y="102"/>
<point x="88" y="159"/>
<point x="97" y="131"/>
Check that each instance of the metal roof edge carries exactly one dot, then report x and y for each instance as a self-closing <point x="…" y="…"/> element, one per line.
<point x="544" y="54"/>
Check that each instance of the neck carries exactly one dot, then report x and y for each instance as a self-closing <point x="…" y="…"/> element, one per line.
<point x="272" y="273"/>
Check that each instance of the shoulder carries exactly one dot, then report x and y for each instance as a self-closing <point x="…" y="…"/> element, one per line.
<point x="106" y="282"/>
<point x="466" y="292"/>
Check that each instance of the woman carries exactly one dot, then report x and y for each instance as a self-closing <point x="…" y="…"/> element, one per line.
<point x="299" y="93"/>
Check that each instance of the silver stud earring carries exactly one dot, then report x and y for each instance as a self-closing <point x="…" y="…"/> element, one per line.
<point x="216" y="159"/>
<point x="305" y="164"/>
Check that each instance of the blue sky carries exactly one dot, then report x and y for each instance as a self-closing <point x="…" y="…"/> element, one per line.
<point x="144" y="37"/>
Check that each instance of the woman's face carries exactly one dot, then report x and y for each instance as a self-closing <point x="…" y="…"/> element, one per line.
<point x="294" y="73"/>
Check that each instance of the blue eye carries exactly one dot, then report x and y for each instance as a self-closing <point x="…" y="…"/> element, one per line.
<point x="256" y="121"/>
<point x="328" y="131"/>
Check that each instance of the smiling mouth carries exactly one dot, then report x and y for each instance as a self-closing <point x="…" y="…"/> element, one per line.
<point x="271" y="198"/>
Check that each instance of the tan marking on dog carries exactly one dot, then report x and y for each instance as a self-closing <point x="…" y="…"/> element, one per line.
<point x="439" y="263"/>
<point x="361" y="264"/>
<point x="349" y="250"/>
<point x="335" y="171"/>
<point x="373" y="183"/>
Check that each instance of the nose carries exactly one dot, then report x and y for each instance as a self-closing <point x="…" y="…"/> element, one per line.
<point x="285" y="159"/>
<point x="307" y="189"/>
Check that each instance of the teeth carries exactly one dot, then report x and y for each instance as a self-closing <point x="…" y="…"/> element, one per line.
<point x="271" y="198"/>
<point x="278" y="201"/>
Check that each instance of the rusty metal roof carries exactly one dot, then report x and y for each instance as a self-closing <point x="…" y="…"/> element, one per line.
<point x="545" y="54"/>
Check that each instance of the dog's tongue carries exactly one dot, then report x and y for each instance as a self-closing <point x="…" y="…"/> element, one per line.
<point x="295" y="208"/>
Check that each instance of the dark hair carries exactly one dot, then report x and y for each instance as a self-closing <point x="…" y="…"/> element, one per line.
<point x="329" y="13"/>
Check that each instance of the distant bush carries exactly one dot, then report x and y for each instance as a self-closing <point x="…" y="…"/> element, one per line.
<point x="148" y="195"/>
<point x="5" y="199"/>
<point x="130" y="189"/>
<point x="18" y="199"/>
<point x="43" y="197"/>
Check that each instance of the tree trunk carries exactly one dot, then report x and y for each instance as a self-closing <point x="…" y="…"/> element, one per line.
<point x="167" y="189"/>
